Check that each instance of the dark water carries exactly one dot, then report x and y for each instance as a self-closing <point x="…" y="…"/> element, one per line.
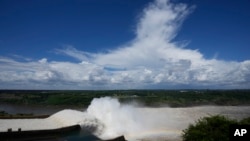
<point x="33" y="109"/>
<point x="48" y="110"/>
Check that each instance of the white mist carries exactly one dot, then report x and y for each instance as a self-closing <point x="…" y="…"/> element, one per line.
<point x="164" y="123"/>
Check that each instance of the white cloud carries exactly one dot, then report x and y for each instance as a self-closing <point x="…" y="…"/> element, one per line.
<point x="71" y="51"/>
<point x="43" y="61"/>
<point x="152" y="59"/>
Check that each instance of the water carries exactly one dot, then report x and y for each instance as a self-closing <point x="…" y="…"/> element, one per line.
<point x="33" y="109"/>
<point x="115" y="119"/>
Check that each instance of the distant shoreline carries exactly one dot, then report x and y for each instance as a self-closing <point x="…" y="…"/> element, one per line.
<point x="150" y="98"/>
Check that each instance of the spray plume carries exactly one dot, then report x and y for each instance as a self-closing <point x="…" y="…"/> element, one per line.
<point x="107" y="118"/>
<point x="118" y="119"/>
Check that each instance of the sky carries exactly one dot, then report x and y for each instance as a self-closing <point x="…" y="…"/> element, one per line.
<point x="124" y="44"/>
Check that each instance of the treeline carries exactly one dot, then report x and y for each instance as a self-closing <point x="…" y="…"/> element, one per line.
<point x="173" y="98"/>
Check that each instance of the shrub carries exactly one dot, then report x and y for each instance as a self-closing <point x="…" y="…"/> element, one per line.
<point x="245" y="121"/>
<point x="214" y="128"/>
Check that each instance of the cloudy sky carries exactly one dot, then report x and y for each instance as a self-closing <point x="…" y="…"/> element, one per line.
<point x="117" y="44"/>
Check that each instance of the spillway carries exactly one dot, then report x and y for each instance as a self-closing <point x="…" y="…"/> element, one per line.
<point x="61" y="119"/>
<point x="134" y="123"/>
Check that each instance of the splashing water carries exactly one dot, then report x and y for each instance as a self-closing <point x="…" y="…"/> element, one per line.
<point x="118" y="119"/>
<point x="113" y="119"/>
<point x="107" y="118"/>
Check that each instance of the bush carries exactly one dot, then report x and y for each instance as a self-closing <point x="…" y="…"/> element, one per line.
<point x="215" y="128"/>
<point x="245" y="121"/>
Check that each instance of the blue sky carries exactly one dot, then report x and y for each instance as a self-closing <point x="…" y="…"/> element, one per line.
<point x="116" y="44"/>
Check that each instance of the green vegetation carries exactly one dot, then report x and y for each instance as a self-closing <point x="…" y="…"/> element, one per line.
<point x="173" y="98"/>
<point x="215" y="128"/>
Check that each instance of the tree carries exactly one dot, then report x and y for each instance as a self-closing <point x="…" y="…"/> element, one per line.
<point x="214" y="128"/>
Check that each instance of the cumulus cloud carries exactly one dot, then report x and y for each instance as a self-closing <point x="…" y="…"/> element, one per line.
<point x="151" y="60"/>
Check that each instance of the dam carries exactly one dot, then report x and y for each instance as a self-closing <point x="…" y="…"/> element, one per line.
<point x="118" y="120"/>
<point x="59" y="124"/>
<point x="61" y="119"/>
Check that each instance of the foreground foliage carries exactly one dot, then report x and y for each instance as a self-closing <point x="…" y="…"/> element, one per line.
<point x="214" y="128"/>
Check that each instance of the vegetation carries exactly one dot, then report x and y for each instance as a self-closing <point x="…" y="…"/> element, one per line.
<point x="173" y="98"/>
<point x="214" y="128"/>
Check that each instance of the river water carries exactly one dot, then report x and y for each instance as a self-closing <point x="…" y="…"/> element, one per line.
<point x="33" y="109"/>
<point x="164" y="122"/>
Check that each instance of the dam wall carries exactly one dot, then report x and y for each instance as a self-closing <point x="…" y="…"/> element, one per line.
<point x="38" y="134"/>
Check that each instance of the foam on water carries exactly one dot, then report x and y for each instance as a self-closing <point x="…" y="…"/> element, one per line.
<point x="135" y="123"/>
<point x="107" y="118"/>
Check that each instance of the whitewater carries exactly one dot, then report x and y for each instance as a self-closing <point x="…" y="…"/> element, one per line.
<point x="107" y="118"/>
